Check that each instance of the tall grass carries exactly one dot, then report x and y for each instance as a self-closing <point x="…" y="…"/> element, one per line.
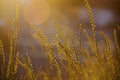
<point x="67" y="61"/>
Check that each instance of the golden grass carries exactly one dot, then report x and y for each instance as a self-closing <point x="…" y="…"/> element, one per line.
<point x="72" y="62"/>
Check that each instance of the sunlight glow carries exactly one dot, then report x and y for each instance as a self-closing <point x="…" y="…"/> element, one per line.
<point x="37" y="12"/>
<point x="25" y="1"/>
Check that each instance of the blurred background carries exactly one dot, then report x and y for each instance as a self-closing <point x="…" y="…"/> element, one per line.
<point x="67" y="13"/>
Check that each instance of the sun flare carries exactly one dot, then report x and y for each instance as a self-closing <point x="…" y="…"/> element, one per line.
<point x="37" y="12"/>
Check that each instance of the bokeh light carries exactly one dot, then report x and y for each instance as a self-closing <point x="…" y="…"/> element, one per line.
<point x="2" y="22"/>
<point x="37" y="12"/>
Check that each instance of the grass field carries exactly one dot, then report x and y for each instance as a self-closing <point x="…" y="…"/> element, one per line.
<point x="64" y="59"/>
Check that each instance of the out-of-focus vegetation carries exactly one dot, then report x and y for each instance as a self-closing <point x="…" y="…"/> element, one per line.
<point x="67" y="61"/>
